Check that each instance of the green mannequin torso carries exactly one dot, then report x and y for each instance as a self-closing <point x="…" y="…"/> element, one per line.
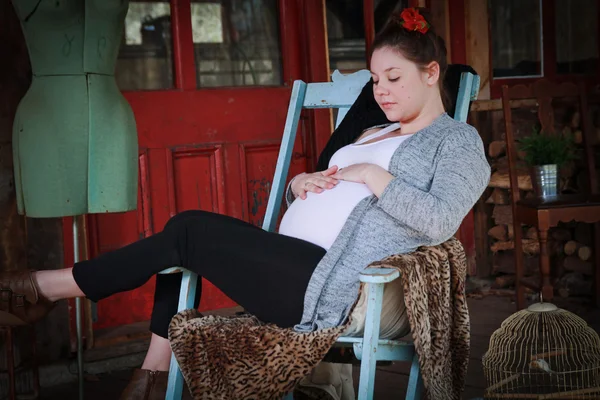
<point x="74" y="136"/>
<point x="67" y="37"/>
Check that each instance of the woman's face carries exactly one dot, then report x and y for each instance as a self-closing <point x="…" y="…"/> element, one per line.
<point x="401" y="89"/>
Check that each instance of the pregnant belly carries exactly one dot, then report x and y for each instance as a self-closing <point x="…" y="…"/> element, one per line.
<point x="320" y="217"/>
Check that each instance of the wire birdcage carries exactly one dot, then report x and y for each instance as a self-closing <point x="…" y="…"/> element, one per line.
<point x="543" y="352"/>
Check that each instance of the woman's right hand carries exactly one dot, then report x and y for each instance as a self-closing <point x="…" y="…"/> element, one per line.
<point x="316" y="182"/>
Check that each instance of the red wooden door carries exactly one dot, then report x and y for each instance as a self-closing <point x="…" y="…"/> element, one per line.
<point x="205" y="146"/>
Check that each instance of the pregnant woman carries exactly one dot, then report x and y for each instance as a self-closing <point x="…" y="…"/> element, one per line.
<point x="396" y="188"/>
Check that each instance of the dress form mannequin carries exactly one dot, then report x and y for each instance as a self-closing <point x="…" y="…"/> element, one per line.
<point x="74" y="136"/>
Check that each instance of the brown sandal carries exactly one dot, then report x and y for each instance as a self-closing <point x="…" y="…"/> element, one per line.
<point x="20" y="300"/>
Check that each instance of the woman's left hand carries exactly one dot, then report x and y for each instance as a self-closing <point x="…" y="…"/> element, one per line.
<point x="355" y="173"/>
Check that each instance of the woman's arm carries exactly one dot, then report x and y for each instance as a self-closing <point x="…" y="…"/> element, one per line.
<point x="461" y="176"/>
<point x="375" y="177"/>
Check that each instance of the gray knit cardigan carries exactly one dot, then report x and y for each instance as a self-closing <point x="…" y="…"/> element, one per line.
<point x="439" y="174"/>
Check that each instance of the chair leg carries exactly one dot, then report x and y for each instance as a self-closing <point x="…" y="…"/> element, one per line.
<point x="187" y="295"/>
<point x="10" y="363"/>
<point x="415" y="380"/>
<point x="175" y="384"/>
<point x="547" y="289"/>
<point x="34" y="363"/>
<point x="520" y="289"/>
<point x="597" y="258"/>
<point x="366" y="384"/>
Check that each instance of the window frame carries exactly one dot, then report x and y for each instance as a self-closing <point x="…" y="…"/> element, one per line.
<point x="548" y="40"/>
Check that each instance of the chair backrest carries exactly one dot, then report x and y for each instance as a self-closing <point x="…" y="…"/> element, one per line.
<point x="341" y="94"/>
<point x="544" y="92"/>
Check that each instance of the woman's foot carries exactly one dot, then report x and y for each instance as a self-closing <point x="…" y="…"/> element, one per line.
<point x="21" y="301"/>
<point x="146" y="385"/>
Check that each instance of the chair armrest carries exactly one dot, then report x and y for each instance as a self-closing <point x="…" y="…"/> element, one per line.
<point x="379" y="275"/>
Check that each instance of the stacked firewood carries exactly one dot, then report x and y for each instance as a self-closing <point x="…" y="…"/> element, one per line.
<point x="569" y="245"/>
<point x="575" y="266"/>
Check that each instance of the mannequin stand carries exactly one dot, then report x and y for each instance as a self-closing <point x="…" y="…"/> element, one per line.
<point x="78" y="309"/>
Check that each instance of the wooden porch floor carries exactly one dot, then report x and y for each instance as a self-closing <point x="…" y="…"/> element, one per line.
<point x="487" y="313"/>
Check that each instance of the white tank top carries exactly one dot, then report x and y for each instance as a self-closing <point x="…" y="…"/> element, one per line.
<point x="320" y="217"/>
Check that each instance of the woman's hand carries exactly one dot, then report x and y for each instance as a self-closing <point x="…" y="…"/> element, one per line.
<point x="355" y="173"/>
<point x="316" y="182"/>
<point x="375" y="177"/>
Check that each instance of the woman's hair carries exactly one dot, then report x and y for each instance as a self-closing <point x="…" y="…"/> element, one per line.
<point x="420" y="48"/>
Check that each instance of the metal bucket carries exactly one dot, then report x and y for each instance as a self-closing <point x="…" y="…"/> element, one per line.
<point x="545" y="181"/>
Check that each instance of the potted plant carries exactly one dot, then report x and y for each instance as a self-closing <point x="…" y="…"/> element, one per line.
<point x="545" y="154"/>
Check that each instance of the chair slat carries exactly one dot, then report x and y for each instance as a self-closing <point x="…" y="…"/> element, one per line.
<point x="285" y="155"/>
<point x="341" y="92"/>
<point x="468" y="90"/>
<point x="342" y="111"/>
<point x="187" y="294"/>
<point x="331" y="95"/>
<point x="391" y="351"/>
<point x="379" y="275"/>
<point x="370" y="345"/>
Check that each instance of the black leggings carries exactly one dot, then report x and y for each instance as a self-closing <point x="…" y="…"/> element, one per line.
<point x="264" y="272"/>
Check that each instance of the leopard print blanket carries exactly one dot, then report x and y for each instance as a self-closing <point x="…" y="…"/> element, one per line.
<point x="242" y="358"/>
<point x="434" y="280"/>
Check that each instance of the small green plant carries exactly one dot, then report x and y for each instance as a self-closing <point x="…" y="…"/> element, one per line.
<point x="543" y="149"/>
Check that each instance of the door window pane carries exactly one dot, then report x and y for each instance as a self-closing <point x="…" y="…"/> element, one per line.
<point x="346" y="30"/>
<point x="576" y="36"/>
<point x="236" y="43"/>
<point x="516" y="38"/>
<point x="346" y="35"/>
<point x="146" y="55"/>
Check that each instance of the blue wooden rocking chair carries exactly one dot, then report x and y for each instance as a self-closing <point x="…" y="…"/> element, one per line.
<point x="340" y="94"/>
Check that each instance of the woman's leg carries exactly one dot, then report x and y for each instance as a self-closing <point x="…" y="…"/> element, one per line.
<point x="166" y="299"/>
<point x="264" y="272"/>
<point x="263" y="263"/>
<point x="61" y="284"/>
<point x="255" y="268"/>
<point x="158" y="356"/>
<point x="57" y="284"/>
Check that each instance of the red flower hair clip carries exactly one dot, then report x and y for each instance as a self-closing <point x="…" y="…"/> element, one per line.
<point x="413" y="21"/>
